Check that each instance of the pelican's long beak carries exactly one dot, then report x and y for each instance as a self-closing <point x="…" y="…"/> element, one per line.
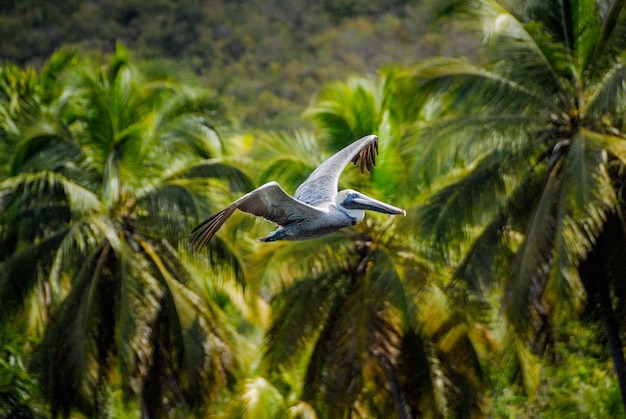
<point x="366" y="203"/>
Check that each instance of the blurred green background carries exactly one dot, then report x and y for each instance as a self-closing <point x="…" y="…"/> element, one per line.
<point x="123" y="124"/>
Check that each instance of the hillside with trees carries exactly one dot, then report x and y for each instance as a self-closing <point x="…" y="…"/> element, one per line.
<point x="265" y="60"/>
<point x="125" y="124"/>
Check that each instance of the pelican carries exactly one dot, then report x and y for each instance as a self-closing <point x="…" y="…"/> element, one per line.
<point x="315" y="209"/>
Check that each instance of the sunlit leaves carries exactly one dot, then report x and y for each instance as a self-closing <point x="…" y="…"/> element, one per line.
<point x="528" y="100"/>
<point x="348" y="111"/>
<point x="524" y="151"/>
<point x="104" y="183"/>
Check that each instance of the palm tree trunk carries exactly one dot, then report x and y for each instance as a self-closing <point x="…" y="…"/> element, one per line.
<point x="611" y="329"/>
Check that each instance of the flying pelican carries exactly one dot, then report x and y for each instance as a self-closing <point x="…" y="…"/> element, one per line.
<point x="315" y="209"/>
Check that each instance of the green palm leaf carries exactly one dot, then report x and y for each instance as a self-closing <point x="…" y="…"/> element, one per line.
<point x="456" y="349"/>
<point x="19" y="274"/>
<point x="38" y="190"/>
<point x="588" y="197"/>
<point x="348" y="111"/>
<point x="448" y="143"/>
<point x="80" y="349"/>
<point x="472" y="196"/>
<point x="285" y="263"/>
<point x="472" y="80"/>
<point x="259" y="399"/>
<point x="287" y="158"/>
<point x="531" y="266"/>
<point x="608" y="95"/>
<point x="488" y="257"/>
<point x="295" y="324"/>
<point x="359" y="343"/>
<point x="513" y="33"/>
<point x="202" y="350"/>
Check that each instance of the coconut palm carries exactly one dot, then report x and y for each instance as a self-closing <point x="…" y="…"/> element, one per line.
<point x="525" y="152"/>
<point x="345" y="111"/>
<point x="351" y="319"/>
<point x="109" y="170"/>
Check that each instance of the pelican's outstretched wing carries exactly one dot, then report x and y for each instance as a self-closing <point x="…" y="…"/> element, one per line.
<point x="268" y="201"/>
<point x="321" y="185"/>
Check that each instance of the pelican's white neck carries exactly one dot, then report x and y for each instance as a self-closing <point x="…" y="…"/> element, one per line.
<point x="355" y="214"/>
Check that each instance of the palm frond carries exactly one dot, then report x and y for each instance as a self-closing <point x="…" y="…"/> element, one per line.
<point x="601" y="30"/>
<point x="457" y="350"/>
<point x="285" y="263"/>
<point x="301" y="410"/>
<point x="115" y="118"/>
<point x="613" y="144"/>
<point x="469" y="81"/>
<point x="347" y="111"/>
<point x="449" y="218"/>
<point x="180" y="119"/>
<point x="523" y="298"/>
<point x="203" y="353"/>
<point x="389" y="177"/>
<point x="89" y="106"/>
<point x="287" y="158"/>
<point x="520" y="364"/>
<point x="415" y="377"/>
<point x="33" y="205"/>
<point x="172" y="205"/>
<point x="490" y="253"/>
<point x="74" y="356"/>
<point x="608" y="259"/>
<point x="512" y="35"/>
<point x="137" y="311"/>
<point x="44" y="144"/>
<point x="608" y="94"/>
<point x="169" y="212"/>
<point x="359" y="345"/>
<point x="53" y="72"/>
<point x="222" y="262"/>
<point x="259" y="399"/>
<point x="45" y="187"/>
<point x="236" y="178"/>
<point x="188" y="133"/>
<point x="540" y="63"/>
<point x="586" y="29"/>
<point x="587" y="198"/>
<point x="82" y="238"/>
<point x="305" y="279"/>
<point x="345" y="360"/>
<point x="299" y="313"/>
<point x="446" y="143"/>
<point x="486" y="259"/>
<point x="21" y="271"/>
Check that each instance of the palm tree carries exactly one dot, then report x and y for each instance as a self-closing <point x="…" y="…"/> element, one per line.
<point x="359" y="321"/>
<point x="107" y="174"/>
<point x="345" y="111"/>
<point x="525" y="152"/>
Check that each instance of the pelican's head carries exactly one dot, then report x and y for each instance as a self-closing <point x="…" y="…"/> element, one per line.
<point x="355" y="203"/>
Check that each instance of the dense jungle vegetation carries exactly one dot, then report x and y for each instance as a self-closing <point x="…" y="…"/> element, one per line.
<point x="123" y="124"/>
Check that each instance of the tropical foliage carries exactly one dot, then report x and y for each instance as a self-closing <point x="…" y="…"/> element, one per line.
<point x="510" y="166"/>
<point x="525" y="150"/>
<point x="351" y="320"/>
<point x="104" y="179"/>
